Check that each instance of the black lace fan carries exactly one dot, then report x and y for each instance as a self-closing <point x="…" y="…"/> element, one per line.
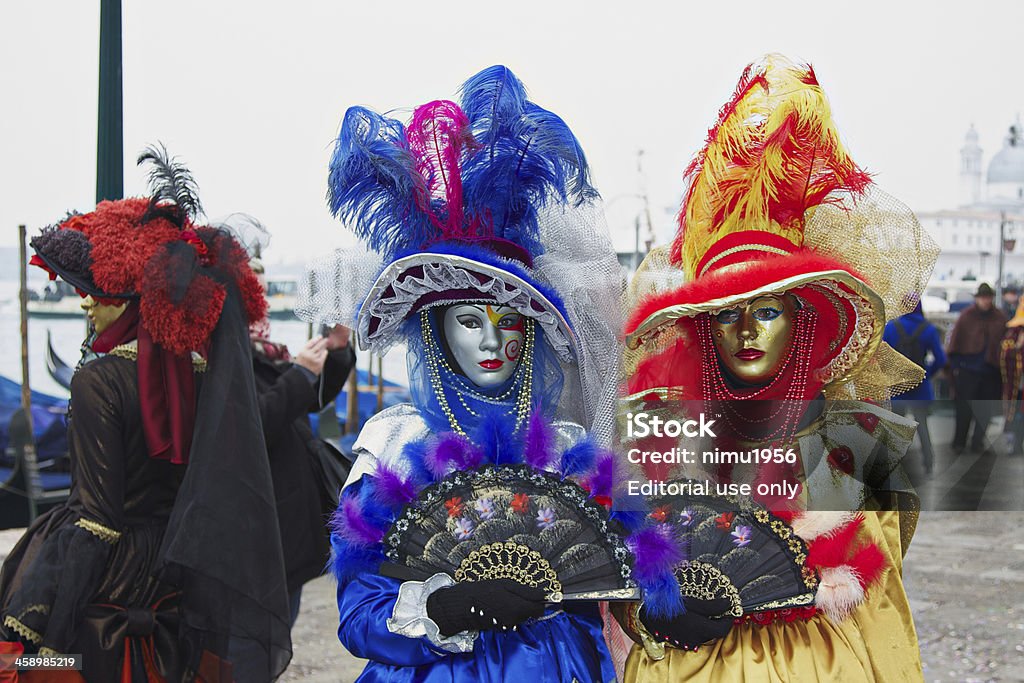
<point x="514" y="522"/>
<point x="737" y="550"/>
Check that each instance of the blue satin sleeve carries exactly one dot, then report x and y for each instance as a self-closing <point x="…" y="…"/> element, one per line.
<point x="365" y="604"/>
<point x="561" y="647"/>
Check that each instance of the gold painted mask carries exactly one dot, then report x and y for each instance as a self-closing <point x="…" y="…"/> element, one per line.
<point x="101" y="316"/>
<point x="752" y="340"/>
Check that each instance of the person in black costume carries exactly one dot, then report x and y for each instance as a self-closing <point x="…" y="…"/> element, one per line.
<point x="289" y="389"/>
<point x="168" y="546"/>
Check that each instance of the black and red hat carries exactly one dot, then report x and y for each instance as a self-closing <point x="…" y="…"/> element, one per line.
<point x="153" y="250"/>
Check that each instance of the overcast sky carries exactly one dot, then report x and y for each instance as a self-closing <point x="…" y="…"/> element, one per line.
<point x="250" y="94"/>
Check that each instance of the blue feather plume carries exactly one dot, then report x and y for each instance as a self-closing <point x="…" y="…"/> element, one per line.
<point x="579" y="458"/>
<point x="531" y="160"/>
<point x="373" y="184"/>
<point x="493" y="100"/>
<point x="521" y="158"/>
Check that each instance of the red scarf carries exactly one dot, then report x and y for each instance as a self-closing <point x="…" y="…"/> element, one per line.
<point x="167" y="389"/>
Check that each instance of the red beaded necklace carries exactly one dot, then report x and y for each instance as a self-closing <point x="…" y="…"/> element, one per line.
<point x="795" y="370"/>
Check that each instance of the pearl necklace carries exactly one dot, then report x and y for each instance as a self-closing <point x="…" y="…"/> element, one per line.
<point x="437" y="365"/>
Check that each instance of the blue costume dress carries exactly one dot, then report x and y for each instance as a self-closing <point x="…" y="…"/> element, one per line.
<point x="487" y="202"/>
<point x="384" y="620"/>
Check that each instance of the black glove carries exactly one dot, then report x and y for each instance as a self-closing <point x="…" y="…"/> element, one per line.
<point x="498" y="604"/>
<point x="701" y="623"/>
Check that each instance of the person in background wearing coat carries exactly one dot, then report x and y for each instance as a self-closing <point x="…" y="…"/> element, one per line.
<point x="1011" y="298"/>
<point x="289" y="389"/>
<point x="973" y="350"/>
<point x="917" y="339"/>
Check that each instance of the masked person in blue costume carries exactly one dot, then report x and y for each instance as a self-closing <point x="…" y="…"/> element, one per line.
<point x="490" y="262"/>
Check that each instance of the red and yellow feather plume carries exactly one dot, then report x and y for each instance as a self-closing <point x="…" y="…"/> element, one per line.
<point x="773" y="156"/>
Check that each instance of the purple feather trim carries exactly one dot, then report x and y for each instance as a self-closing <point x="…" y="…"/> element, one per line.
<point x="472" y="457"/>
<point x="539" y="450"/>
<point x="603" y="481"/>
<point x="349" y="523"/>
<point x="656" y="554"/>
<point x="391" y="488"/>
<point x="655" y="551"/>
<point x="446" y="454"/>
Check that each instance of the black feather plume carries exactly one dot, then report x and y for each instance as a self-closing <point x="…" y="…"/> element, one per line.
<point x="173" y="192"/>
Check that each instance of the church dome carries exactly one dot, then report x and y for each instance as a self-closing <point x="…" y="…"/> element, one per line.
<point x="1007" y="166"/>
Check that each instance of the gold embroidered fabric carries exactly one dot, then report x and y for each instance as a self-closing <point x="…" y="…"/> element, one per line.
<point x="130" y="351"/>
<point x="96" y="529"/>
<point x="22" y="630"/>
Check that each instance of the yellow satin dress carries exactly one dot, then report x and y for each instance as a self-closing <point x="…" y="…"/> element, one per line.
<point x="876" y="643"/>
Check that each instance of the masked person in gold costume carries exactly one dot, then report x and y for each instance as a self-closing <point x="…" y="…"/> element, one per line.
<point x="767" y="312"/>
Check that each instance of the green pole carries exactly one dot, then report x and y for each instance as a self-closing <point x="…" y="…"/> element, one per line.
<point x="109" y="133"/>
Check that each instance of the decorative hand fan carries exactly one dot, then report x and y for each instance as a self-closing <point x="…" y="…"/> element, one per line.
<point x="502" y="505"/>
<point x="737" y="550"/>
<point x="512" y="522"/>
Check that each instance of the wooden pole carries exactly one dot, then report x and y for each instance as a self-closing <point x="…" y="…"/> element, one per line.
<point x="352" y="407"/>
<point x="26" y="391"/>
<point x="32" y="483"/>
<point x="380" y="383"/>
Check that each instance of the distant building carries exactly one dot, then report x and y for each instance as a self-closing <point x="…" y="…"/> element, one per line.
<point x="969" y="234"/>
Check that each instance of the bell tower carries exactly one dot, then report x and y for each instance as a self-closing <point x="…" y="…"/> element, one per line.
<point x="970" y="169"/>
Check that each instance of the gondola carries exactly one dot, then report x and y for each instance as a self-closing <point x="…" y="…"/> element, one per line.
<point x="60" y="371"/>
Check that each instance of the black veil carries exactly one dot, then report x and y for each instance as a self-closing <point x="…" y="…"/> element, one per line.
<point x="222" y="546"/>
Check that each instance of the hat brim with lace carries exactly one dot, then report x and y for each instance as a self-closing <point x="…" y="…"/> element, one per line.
<point x="775" y="206"/>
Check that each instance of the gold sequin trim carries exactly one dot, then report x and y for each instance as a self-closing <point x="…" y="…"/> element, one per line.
<point x="96" y="529"/>
<point x="131" y="352"/>
<point x="49" y="652"/>
<point x="22" y="630"/>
